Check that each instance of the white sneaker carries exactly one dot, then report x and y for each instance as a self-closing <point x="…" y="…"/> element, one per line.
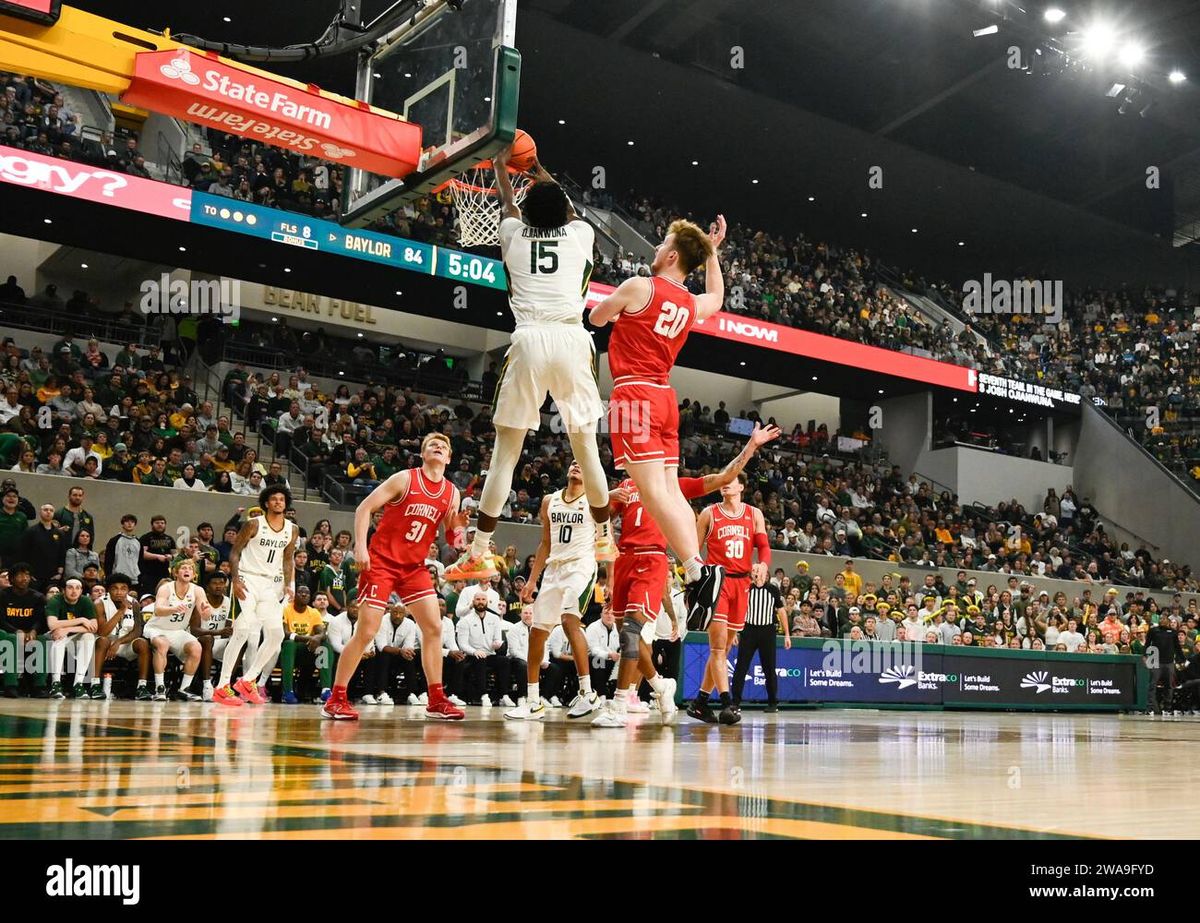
<point x="525" y="713"/>
<point x="485" y="702"/>
<point x="609" y="717"/>
<point x="507" y="700"/>
<point x="584" y="705"/>
<point x="385" y="699"/>
<point x="207" y="693"/>
<point x="666" y="700"/>
<point x="555" y="703"/>
<point x="423" y="699"/>
<point x="412" y="699"/>
<point x="369" y="699"/>
<point x="637" y="707"/>
<point x="454" y="700"/>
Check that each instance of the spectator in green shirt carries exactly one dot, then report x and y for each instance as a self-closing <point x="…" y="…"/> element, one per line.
<point x="333" y="582"/>
<point x="71" y="621"/>
<point x="13" y="524"/>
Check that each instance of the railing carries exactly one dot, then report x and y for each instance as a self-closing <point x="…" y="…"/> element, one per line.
<point x="45" y="319"/>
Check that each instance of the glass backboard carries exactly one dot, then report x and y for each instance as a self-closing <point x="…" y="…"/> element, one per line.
<point x="453" y="69"/>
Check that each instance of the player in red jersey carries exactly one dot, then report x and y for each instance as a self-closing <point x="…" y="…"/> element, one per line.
<point x="652" y="318"/>
<point x="731" y="532"/>
<point x="640" y="572"/>
<point x="416" y="502"/>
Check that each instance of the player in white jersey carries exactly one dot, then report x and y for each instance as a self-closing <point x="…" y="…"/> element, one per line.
<point x="548" y="259"/>
<point x="263" y="574"/>
<point x="178" y="607"/>
<point x="214" y="630"/>
<point x="567" y="555"/>
<point x="120" y="633"/>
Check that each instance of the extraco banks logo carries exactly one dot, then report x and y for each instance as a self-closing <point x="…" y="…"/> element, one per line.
<point x="905" y="676"/>
<point x="1036" y="681"/>
<point x="1041" y="681"/>
<point x="747" y="330"/>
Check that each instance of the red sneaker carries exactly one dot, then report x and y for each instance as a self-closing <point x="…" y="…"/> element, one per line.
<point x="339" y="710"/>
<point x="249" y="692"/>
<point x="226" y="696"/>
<point x="445" y="711"/>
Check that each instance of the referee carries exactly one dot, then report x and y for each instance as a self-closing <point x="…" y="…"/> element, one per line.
<point x="765" y="614"/>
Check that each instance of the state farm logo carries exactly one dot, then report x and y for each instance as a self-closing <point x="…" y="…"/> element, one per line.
<point x="1036" y="681"/>
<point x="748" y="330"/>
<point x="335" y="152"/>
<point x="180" y="69"/>
<point x="904" y="676"/>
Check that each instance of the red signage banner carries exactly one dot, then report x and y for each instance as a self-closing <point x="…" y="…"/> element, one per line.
<point x="202" y="88"/>
<point x="43" y="11"/>
<point x="795" y="342"/>
<point x="92" y="184"/>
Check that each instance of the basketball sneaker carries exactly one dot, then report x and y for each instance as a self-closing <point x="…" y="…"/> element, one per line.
<point x="385" y="699"/>
<point x="526" y="712"/>
<point x="56" y="691"/>
<point x="444" y="710"/>
<point x="182" y="695"/>
<point x="610" y="717"/>
<point x="144" y="694"/>
<point x="701" y="596"/>
<point x="207" y="692"/>
<point x="582" y="706"/>
<point x="339" y="710"/>
<point x="470" y="570"/>
<point x="666" y="700"/>
<point x="368" y="699"/>
<point x="453" y="699"/>
<point x="226" y="696"/>
<point x="730" y="714"/>
<point x="290" y="698"/>
<point x="96" y="693"/>
<point x="249" y="692"/>
<point x="637" y="707"/>
<point x="701" y="712"/>
<point x="160" y="694"/>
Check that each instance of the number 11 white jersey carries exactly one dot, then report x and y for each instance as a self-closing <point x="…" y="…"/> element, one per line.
<point x="263" y="554"/>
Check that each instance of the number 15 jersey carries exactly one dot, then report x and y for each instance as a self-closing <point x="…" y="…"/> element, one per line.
<point x="410" y="522"/>
<point x="548" y="270"/>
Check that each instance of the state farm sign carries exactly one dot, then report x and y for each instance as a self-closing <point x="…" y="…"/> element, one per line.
<point x="207" y="90"/>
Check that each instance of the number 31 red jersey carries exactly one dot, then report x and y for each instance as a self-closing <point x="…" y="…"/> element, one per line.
<point x="646" y="341"/>
<point x="730" y="541"/>
<point x="410" y="522"/>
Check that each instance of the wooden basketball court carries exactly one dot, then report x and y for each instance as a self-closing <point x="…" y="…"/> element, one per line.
<point x="97" y="770"/>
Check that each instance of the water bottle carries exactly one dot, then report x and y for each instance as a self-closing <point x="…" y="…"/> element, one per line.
<point x="108" y="685"/>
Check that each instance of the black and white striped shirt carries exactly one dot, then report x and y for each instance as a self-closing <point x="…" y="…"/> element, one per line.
<point x="763" y="602"/>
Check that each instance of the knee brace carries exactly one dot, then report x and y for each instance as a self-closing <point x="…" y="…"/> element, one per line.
<point x="631" y="634"/>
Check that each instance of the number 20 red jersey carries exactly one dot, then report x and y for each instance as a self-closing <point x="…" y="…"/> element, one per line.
<point x="411" y="521"/>
<point x="730" y="541"/>
<point x="646" y="341"/>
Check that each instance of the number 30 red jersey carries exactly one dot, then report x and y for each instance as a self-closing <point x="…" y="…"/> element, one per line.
<point x="411" y="521"/>
<point x="646" y="341"/>
<point x="730" y="541"/>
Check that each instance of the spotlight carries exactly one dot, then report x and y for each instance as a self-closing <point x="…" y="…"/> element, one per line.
<point x="1177" y="76"/>
<point x="1115" y="90"/>
<point x="1131" y="55"/>
<point x="1098" y="40"/>
<point x="986" y="30"/>
<point x="1053" y="15"/>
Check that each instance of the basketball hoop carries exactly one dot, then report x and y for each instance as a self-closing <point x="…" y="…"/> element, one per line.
<point x="478" y="203"/>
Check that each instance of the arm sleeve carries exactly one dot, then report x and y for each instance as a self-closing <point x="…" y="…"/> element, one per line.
<point x="692" y="487"/>
<point x="763" y="546"/>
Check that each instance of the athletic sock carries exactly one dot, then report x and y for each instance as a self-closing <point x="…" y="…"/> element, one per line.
<point x="620" y="702"/>
<point x="95" y="680"/>
<point x="692" y="568"/>
<point x="141" y="683"/>
<point x="656" y="683"/>
<point x="725" y="700"/>
<point x="186" y="683"/>
<point x="702" y="697"/>
<point x="533" y="695"/>
<point x="338" y="694"/>
<point x="481" y="547"/>
<point x="159" y="680"/>
<point x="436" y="693"/>
<point x="585" y="685"/>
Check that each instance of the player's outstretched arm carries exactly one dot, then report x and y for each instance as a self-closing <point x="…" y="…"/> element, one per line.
<point x="393" y="488"/>
<point x="710" y="302"/>
<point x="727" y="475"/>
<point x="633" y="293"/>
<point x="504" y="189"/>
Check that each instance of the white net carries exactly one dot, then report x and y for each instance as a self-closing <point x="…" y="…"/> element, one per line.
<point x="478" y="205"/>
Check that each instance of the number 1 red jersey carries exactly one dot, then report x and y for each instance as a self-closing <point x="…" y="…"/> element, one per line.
<point x="645" y="341"/>
<point x="638" y="529"/>
<point x="410" y="522"/>
<point x="730" y="541"/>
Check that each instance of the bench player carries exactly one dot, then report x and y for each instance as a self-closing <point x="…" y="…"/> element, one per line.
<point x="416" y="502"/>
<point x="179" y="605"/>
<point x="547" y="252"/>
<point x="120" y="633"/>
<point x="214" y="630"/>
<point x="262" y="569"/>
<point x="640" y="573"/>
<point x="731" y="531"/>
<point x="652" y="318"/>
<point x="566" y="554"/>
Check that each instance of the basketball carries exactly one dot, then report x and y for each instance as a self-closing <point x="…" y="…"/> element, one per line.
<point x="524" y="151"/>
